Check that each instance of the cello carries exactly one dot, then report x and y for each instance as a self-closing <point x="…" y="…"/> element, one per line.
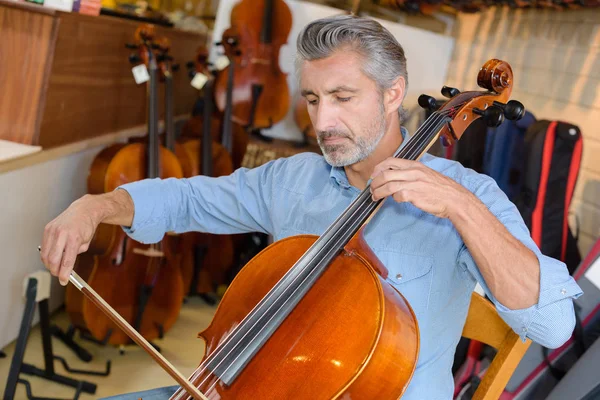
<point x="184" y="244"/>
<point x="194" y="127"/>
<point x="261" y="95"/>
<point x="287" y="312"/>
<point x="150" y="287"/>
<point x="210" y="256"/>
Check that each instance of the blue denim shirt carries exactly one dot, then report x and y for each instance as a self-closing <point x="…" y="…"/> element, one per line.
<point x="426" y="257"/>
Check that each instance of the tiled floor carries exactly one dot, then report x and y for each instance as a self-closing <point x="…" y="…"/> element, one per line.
<point x="133" y="371"/>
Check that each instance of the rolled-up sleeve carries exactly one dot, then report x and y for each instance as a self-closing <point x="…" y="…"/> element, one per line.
<point x="237" y="203"/>
<point x="551" y="321"/>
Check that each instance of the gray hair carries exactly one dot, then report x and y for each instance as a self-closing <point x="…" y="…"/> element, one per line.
<point x="383" y="57"/>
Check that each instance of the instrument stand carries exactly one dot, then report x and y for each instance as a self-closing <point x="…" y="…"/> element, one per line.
<point x="18" y="367"/>
<point x="67" y="339"/>
<point x="83" y="354"/>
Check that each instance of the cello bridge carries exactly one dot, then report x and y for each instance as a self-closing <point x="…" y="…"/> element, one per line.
<point x="150" y="252"/>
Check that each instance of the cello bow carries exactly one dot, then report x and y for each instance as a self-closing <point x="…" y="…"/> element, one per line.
<point x="87" y="290"/>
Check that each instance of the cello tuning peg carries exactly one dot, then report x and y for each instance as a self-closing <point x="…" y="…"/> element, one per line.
<point x="134" y="58"/>
<point x="449" y="92"/>
<point x="218" y="43"/>
<point x="513" y="110"/>
<point x="429" y="102"/>
<point x="175" y="67"/>
<point x="130" y="46"/>
<point x="189" y="64"/>
<point x="493" y="115"/>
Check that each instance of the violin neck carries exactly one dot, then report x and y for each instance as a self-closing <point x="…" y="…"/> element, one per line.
<point x="169" y="120"/>
<point x="206" y="165"/>
<point x="152" y="148"/>
<point x="266" y="33"/>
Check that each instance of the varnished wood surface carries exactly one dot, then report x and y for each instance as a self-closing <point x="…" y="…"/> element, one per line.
<point x="118" y="272"/>
<point x="71" y="148"/>
<point x="91" y="89"/>
<point x="485" y="325"/>
<point x="66" y="77"/>
<point x="26" y="43"/>
<point x="351" y="336"/>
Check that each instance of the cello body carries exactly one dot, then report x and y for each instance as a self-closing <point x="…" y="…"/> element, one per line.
<point x="142" y="282"/>
<point x="359" y="341"/>
<point x="116" y="265"/>
<point x="261" y="95"/>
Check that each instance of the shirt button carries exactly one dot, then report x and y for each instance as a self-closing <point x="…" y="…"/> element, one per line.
<point x="398" y="276"/>
<point x="563" y="291"/>
<point x="524" y="329"/>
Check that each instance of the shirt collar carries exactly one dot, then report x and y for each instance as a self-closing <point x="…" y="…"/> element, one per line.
<point x="338" y="174"/>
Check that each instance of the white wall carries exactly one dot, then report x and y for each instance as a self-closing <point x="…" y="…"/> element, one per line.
<point x="555" y="57"/>
<point x="428" y="54"/>
<point x="30" y="198"/>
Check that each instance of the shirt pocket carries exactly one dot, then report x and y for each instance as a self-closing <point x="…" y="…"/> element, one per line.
<point x="411" y="274"/>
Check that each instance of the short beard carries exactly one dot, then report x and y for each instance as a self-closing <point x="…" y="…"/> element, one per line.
<point x="339" y="155"/>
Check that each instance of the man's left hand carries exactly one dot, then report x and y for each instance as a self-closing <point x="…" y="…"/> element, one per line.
<point x="412" y="181"/>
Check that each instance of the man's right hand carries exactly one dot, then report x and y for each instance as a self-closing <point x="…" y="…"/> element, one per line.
<point x="68" y="235"/>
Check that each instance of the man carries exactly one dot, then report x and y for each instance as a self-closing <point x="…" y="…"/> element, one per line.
<point x="443" y="229"/>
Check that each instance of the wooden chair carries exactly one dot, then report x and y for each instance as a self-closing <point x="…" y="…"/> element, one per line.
<point x="485" y="325"/>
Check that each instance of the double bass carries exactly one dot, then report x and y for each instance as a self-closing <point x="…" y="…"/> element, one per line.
<point x="282" y="328"/>
<point x="142" y="282"/>
<point x="261" y="95"/>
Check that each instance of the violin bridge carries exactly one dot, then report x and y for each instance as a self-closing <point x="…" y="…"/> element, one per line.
<point x="151" y="252"/>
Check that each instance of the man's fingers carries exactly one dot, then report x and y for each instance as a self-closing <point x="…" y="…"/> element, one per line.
<point x="55" y="250"/>
<point x="68" y="260"/>
<point x="47" y="243"/>
<point x="385" y="190"/>
<point x="393" y="163"/>
<point x="402" y="175"/>
<point x="83" y="248"/>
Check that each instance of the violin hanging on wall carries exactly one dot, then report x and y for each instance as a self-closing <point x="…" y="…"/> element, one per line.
<point x="261" y="94"/>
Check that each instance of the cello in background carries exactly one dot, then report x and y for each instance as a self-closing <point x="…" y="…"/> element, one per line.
<point x="193" y="128"/>
<point x="213" y="254"/>
<point x="261" y="96"/>
<point x="143" y="282"/>
<point x="302" y="120"/>
<point x="184" y="244"/>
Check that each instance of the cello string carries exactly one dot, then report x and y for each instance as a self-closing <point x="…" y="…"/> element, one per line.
<point x="414" y="144"/>
<point x="340" y="239"/>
